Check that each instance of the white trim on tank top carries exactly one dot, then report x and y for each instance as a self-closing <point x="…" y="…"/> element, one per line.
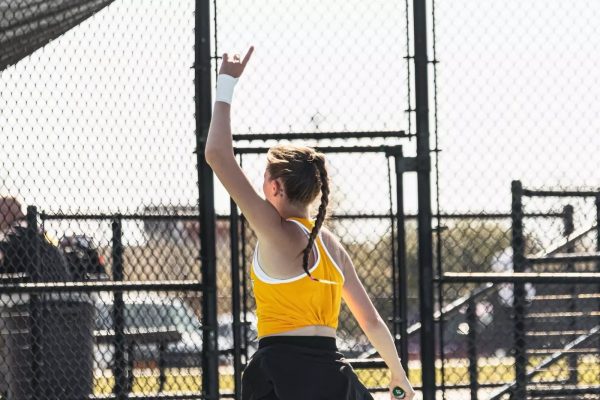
<point x="262" y="275"/>
<point x="324" y="248"/>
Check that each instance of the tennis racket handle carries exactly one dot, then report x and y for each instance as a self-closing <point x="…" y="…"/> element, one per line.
<point x="398" y="392"/>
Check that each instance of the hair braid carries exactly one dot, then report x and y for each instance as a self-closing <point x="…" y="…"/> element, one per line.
<point x="319" y="162"/>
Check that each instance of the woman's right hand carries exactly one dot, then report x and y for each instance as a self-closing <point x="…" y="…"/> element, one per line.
<point x="401" y="381"/>
<point x="235" y="67"/>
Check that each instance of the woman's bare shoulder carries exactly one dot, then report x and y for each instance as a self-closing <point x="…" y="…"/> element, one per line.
<point x="335" y="248"/>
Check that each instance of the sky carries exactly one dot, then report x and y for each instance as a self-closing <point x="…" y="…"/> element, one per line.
<point x="102" y="118"/>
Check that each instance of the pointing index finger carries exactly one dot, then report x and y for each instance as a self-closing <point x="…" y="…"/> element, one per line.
<point x="247" y="56"/>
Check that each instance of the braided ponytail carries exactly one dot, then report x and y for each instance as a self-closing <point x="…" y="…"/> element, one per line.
<point x="304" y="174"/>
<point x="319" y="162"/>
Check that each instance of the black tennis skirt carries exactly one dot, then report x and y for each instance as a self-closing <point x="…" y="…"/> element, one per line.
<point x="300" y="368"/>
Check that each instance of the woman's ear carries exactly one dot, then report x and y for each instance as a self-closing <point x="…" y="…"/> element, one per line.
<point x="272" y="187"/>
<point x="278" y="186"/>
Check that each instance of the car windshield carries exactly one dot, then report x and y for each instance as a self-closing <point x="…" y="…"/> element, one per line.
<point x="151" y="315"/>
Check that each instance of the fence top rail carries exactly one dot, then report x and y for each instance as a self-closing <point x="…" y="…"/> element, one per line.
<point x="46" y="216"/>
<point x="110" y="217"/>
<point x="157" y="396"/>
<point x="456" y="216"/>
<point x="563" y="257"/>
<point x="486" y="215"/>
<point x="99" y="286"/>
<point x="520" y="277"/>
<point x="321" y="135"/>
<point x="561" y="193"/>
<point x="386" y="149"/>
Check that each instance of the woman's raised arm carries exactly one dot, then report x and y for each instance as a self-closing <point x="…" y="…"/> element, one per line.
<point x="261" y="215"/>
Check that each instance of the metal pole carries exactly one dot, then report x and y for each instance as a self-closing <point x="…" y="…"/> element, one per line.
<point x="522" y="277"/>
<point x="570" y="267"/>
<point x="598" y="249"/>
<point x="162" y="376"/>
<point x="35" y="314"/>
<point x="235" y="298"/>
<point x="440" y="300"/>
<point x="400" y="320"/>
<point x="518" y="245"/>
<point x="120" y="364"/>
<point x="472" y="349"/>
<point x="244" y="280"/>
<point x="208" y="258"/>
<point x="598" y="228"/>
<point x="395" y="318"/>
<point x="244" y="300"/>
<point x="424" y="201"/>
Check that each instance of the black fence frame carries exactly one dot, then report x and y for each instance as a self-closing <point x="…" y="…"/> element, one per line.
<point x="518" y="388"/>
<point x="421" y="164"/>
<point x="398" y="320"/>
<point x="203" y="84"/>
<point x="122" y="340"/>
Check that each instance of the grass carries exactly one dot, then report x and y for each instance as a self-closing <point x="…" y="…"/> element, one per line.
<point x="456" y="372"/>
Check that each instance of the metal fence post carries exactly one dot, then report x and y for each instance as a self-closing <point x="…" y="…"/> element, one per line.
<point x="235" y="298"/>
<point x="244" y="299"/>
<point x="518" y="245"/>
<point x="35" y="313"/>
<point x="597" y="198"/>
<point x="162" y="376"/>
<point x="598" y="228"/>
<point x="569" y="228"/>
<point x="401" y="290"/>
<point x="472" y="348"/>
<point x="424" y="201"/>
<point x="208" y="257"/>
<point x="120" y="363"/>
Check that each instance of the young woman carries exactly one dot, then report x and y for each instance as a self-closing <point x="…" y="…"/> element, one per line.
<point x="300" y="271"/>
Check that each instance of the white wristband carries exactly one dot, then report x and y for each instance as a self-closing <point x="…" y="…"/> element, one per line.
<point x="225" y="86"/>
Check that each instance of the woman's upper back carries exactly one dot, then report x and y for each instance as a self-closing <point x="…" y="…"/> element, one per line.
<point x="286" y="297"/>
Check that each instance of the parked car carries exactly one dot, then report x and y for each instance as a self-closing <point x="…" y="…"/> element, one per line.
<point x="150" y="311"/>
<point x="156" y="311"/>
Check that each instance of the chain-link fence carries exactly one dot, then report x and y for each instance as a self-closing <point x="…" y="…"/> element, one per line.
<point x="368" y="230"/>
<point x="515" y="100"/>
<point x="313" y="80"/>
<point x="99" y="170"/>
<point x="99" y="220"/>
<point x="109" y="286"/>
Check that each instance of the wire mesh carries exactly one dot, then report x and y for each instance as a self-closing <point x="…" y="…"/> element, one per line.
<point x="98" y="134"/>
<point x="364" y="228"/>
<point x="97" y="111"/>
<point x="514" y="102"/>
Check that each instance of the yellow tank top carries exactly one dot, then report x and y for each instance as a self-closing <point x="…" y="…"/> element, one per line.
<point x="286" y="304"/>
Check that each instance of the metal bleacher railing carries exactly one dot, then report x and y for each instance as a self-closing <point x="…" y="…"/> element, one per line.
<point x="578" y="317"/>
